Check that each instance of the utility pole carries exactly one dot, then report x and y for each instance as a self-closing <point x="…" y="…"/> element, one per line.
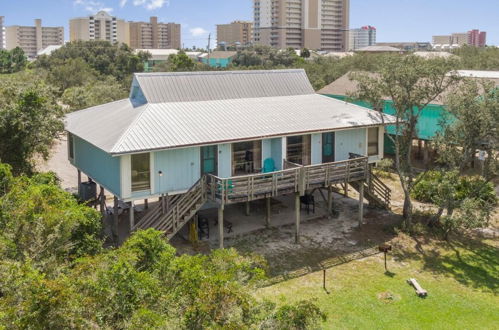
<point x="209" y="45"/>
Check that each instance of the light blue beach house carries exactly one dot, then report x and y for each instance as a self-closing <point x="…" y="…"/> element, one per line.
<point x="216" y="138"/>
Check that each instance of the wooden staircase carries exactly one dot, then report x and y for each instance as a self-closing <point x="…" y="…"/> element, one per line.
<point x="375" y="191"/>
<point x="180" y="211"/>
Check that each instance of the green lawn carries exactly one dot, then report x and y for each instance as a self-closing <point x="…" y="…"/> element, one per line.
<point x="462" y="281"/>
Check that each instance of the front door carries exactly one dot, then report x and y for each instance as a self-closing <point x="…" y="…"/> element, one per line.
<point x="209" y="163"/>
<point x="328" y="147"/>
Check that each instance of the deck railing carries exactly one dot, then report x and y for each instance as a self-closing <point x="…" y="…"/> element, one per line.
<point x="294" y="178"/>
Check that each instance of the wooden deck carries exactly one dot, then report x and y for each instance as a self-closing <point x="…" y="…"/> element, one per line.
<point x="293" y="179"/>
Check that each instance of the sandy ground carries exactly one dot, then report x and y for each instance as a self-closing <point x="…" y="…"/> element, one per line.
<point x="59" y="164"/>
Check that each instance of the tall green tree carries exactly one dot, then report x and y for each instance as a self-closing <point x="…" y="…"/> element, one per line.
<point x="30" y="120"/>
<point x="411" y="83"/>
<point x="12" y="61"/>
<point x="474" y="106"/>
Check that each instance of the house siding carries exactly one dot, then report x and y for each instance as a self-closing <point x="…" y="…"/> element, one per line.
<point x="181" y="169"/>
<point x="98" y="165"/>
<point x="224" y="161"/>
<point x="276" y="152"/>
<point x="350" y="141"/>
<point x="316" y="149"/>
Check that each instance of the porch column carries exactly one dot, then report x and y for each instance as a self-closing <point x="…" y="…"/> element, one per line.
<point x="329" y="201"/>
<point x="79" y="183"/>
<point x="115" y="219"/>
<point x="297" y="212"/>
<point x="361" y="203"/>
<point x="267" y="217"/>
<point x="247" y="208"/>
<point x="221" y="225"/>
<point x="426" y="156"/>
<point x="146" y="204"/>
<point x="132" y="215"/>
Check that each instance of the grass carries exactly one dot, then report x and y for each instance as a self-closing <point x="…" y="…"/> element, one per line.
<point x="462" y="280"/>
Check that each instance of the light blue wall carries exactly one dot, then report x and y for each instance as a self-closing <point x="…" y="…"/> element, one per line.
<point x="276" y="152"/>
<point x="98" y="165"/>
<point x="224" y="161"/>
<point x="180" y="167"/>
<point x="137" y="97"/>
<point x="352" y="140"/>
<point x="316" y="149"/>
<point x="218" y="62"/>
<point x="266" y="149"/>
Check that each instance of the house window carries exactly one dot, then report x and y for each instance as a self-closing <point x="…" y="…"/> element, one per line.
<point x="246" y="157"/>
<point x="298" y="149"/>
<point x="373" y="141"/>
<point x="71" y="146"/>
<point x="141" y="172"/>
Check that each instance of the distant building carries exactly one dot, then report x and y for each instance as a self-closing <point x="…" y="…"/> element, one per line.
<point x="31" y="39"/>
<point x="363" y="37"/>
<point x="2" y="33"/>
<point x="314" y="24"/>
<point x="154" y="35"/>
<point x="475" y="38"/>
<point x="379" y="49"/>
<point x="218" y="59"/>
<point x="237" y="32"/>
<point x="100" y="26"/>
<point x="408" y="46"/>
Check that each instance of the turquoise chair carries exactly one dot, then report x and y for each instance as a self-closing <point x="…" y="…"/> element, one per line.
<point x="268" y="166"/>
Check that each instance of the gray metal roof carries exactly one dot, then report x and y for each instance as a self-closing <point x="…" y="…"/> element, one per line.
<point x="221" y="85"/>
<point x="182" y="124"/>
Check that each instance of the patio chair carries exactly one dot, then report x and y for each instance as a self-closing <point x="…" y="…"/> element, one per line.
<point x="308" y="199"/>
<point x="268" y="166"/>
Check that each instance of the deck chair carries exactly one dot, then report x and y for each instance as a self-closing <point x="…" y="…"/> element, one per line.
<point x="268" y="166"/>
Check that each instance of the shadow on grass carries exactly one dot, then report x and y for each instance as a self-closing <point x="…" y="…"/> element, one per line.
<point x="470" y="261"/>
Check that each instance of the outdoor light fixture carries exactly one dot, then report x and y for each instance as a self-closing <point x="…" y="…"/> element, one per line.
<point x="385" y="248"/>
<point x="160" y="173"/>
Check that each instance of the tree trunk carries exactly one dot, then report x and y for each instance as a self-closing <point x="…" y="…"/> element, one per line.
<point x="407" y="211"/>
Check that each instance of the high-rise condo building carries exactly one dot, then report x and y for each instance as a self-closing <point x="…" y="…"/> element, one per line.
<point x="314" y="24"/>
<point x="154" y="35"/>
<point x="31" y="39"/>
<point x="100" y="26"/>
<point x="363" y="37"/>
<point x="237" y="32"/>
<point x="475" y="38"/>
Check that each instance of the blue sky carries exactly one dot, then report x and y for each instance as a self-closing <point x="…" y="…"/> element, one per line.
<point x="396" y="20"/>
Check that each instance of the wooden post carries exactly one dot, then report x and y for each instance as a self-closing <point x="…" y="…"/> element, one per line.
<point x="115" y="219"/>
<point x="426" y="153"/>
<point x="132" y="214"/>
<point x="345" y="191"/>
<point x="146" y="204"/>
<point x="79" y="184"/>
<point x="329" y="201"/>
<point x="297" y="212"/>
<point x="102" y="202"/>
<point x="420" y="147"/>
<point x="267" y="217"/>
<point x="247" y="208"/>
<point x="221" y="225"/>
<point x="361" y="203"/>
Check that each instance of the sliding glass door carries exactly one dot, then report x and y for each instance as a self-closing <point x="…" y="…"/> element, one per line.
<point x="298" y="149"/>
<point x="246" y="157"/>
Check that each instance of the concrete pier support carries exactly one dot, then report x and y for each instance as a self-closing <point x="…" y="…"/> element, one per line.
<point x="361" y="203"/>
<point x="329" y="202"/>
<point x="297" y="212"/>
<point x="247" y="211"/>
<point x="132" y="216"/>
<point x="269" y="211"/>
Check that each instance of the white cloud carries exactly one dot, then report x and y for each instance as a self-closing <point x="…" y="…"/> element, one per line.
<point x="149" y="4"/>
<point x="123" y="3"/>
<point x="92" y="6"/>
<point x="198" y="31"/>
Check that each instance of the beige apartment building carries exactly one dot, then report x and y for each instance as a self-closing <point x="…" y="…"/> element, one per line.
<point x="31" y="39"/>
<point x="314" y="24"/>
<point x="100" y="26"/>
<point x="236" y="32"/>
<point x="154" y="35"/>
